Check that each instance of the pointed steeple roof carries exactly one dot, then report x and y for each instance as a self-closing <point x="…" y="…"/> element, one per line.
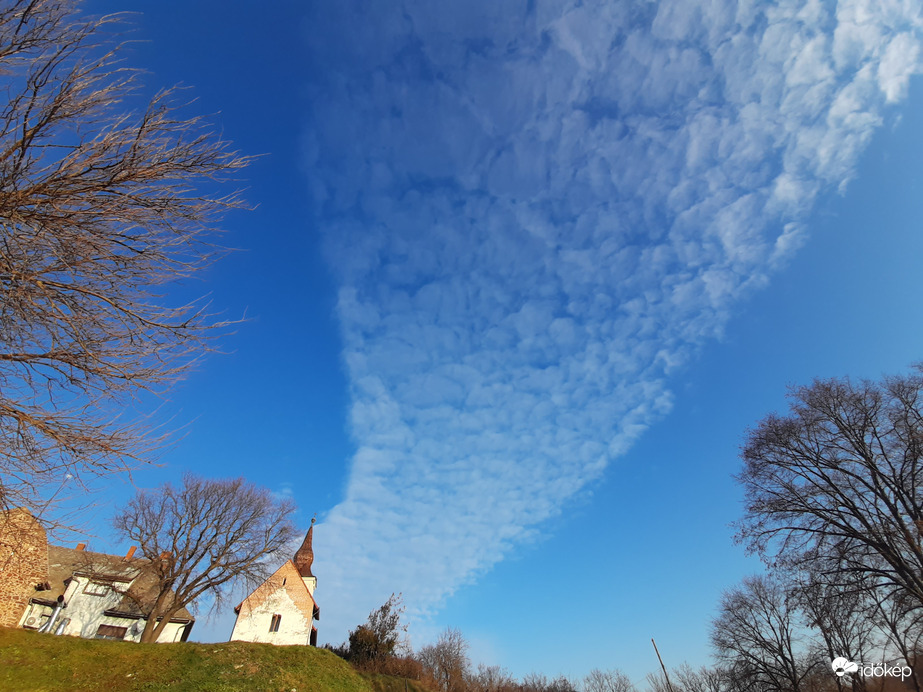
<point x="304" y="558"/>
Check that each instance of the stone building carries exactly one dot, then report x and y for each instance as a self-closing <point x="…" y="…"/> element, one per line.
<point x="23" y="563"/>
<point x="282" y="610"/>
<point x="75" y="591"/>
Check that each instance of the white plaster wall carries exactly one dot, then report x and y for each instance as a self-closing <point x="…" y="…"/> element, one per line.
<point x="85" y="610"/>
<point x="253" y="626"/>
<point x="173" y="632"/>
<point x="311" y="583"/>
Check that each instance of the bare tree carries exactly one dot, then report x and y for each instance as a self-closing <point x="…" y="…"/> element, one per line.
<point x="903" y="629"/>
<point x="758" y="636"/>
<point x="562" y="684"/>
<point x="99" y="209"/>
<point x="607" y="681"/>
<point x="837" y="485"/>
<point x="843" y="618"/>
<point x="447" y="661"/>
<point x="492" y="679"/>
<point x="199" y="538"/>
<point x="538" y="682"/>
<point x="657" y="682"/>
<point x="535" y="682"/>
<point x="703" y="679"/>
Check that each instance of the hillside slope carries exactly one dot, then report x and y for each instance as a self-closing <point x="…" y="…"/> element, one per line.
<point x="44" y="663"/>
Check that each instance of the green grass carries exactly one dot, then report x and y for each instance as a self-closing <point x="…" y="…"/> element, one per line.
<point x="45" y="663"/>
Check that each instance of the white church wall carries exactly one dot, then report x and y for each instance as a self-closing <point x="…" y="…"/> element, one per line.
<point x="254" y="625"/>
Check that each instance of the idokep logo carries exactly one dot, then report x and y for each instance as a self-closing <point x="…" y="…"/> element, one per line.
<point x="842" y="666"/>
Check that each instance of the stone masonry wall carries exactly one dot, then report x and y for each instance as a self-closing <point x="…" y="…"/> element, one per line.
<point x="23" y="562"/>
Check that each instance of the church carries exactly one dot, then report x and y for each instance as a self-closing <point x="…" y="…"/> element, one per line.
<point x="282" y="610"/>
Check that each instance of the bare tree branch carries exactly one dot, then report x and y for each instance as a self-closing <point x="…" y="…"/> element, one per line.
<point x="837" y="486"/>
<point x="446" y="661"/>
<point x="99" y="210"/>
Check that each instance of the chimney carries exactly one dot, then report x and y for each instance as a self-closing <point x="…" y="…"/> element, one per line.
<point x="131" y="553"/>
<point x="81" y="546"/>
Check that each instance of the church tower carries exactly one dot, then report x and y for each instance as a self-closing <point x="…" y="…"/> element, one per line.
<point x="304" y="558"/>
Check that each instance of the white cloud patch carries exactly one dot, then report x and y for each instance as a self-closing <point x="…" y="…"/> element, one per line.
<point x="536" y="211"/>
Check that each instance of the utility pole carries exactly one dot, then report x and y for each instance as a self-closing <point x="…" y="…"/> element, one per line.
<point x="665" y="676"/>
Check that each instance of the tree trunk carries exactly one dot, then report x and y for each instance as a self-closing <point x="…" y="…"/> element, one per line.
<point x="152" y="628"/>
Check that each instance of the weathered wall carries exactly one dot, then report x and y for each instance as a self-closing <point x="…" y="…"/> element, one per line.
<point x="23" y="562"/>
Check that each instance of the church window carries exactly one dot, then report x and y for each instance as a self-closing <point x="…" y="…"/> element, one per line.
<point x="274" y="625"/>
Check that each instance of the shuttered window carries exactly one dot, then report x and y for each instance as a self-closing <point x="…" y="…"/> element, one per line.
<point x="111" y="632"/>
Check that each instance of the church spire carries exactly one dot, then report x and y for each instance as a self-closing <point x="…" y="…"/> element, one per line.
<point x="304" y="558"/>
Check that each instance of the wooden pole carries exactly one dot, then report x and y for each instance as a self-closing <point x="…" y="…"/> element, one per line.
<point x="665" y="676"/>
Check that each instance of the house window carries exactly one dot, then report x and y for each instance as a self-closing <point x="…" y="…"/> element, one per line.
<point x="111" y="632"/>
<point x="274" y="625"/>
<point x="95" y="588"/>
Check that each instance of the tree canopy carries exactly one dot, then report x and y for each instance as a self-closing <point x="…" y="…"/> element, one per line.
<point x="202" y="536"/>
<point x="836" y="486"/>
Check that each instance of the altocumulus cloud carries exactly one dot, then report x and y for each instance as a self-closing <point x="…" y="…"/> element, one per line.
<point x="536" y="210"/>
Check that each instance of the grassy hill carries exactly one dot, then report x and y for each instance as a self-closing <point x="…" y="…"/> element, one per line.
<point x="42" y="662"/>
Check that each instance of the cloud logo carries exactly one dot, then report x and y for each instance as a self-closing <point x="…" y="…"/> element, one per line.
<point x="842" y="666"/>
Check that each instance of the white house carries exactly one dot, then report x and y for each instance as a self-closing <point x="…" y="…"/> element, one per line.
<point x="98" y="596"/>
<point x="73" y="590"/>
<point x="282" y="610"/>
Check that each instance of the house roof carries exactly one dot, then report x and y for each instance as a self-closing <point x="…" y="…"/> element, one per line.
<point x="64" y="563"/>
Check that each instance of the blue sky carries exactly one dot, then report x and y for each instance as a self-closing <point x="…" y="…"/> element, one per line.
<point x="520" y="276"/>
